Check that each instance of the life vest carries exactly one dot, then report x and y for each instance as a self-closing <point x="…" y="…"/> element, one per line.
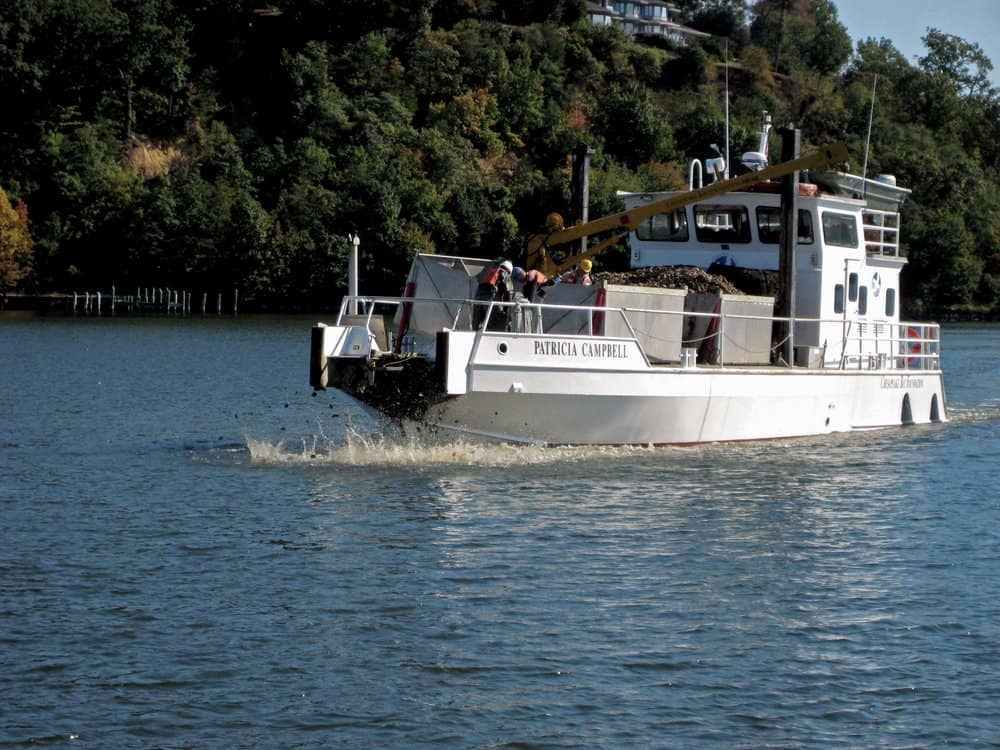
<point x="535" y="277"/>
<point x="489" y="276"/>
<point x="577" y="276"/>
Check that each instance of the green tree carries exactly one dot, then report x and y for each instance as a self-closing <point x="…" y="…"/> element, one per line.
<point x="634" y="132"/>
<point x="150" y="58"/>
<point x="726" y="19"/>
<point x="943" y="268"/>
<point x="801" y="34"/>
<point x="827" y="45"/>
<point x="690" y="69"/>
<point x="316" y="107"/>
<point x="961" y="62"/>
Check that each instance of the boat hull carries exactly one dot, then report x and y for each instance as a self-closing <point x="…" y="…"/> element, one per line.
<point x="603" y="391"/>
<point x="696" y="406"/>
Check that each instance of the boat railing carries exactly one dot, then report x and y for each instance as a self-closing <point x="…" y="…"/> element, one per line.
<point x="866" y="345"/>
<point x="908" y="346"/>
<point x="881" y="231"/>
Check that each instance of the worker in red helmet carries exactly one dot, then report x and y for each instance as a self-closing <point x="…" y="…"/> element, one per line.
<point x="493" y="284"/>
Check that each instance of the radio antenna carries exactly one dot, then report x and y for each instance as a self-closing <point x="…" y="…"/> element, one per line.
<point x="868" y="140"/>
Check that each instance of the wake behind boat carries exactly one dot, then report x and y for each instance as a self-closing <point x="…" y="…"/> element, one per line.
<point x="621" y="364"/>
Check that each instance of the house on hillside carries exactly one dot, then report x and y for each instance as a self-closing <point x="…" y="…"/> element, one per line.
<point x="641" y="17"/>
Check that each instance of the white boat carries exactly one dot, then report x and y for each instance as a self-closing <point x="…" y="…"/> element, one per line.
<point x="613" y="364"/>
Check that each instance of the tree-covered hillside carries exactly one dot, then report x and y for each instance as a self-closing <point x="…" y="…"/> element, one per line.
<point x="233" y="144"/>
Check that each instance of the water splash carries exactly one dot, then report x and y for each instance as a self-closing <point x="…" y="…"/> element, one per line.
<point x="382" y="444"/>
<point x="408" y="448"/>
<point x="981" y="413"/>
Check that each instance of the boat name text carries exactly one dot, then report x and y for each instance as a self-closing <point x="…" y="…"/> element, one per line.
<point x="603" y="350"/>
<point x="902" y="381"/>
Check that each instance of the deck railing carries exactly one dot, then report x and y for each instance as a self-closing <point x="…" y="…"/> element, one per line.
<point x="865" y="345"/>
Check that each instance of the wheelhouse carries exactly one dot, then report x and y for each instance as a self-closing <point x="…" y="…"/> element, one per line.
<point x="847" y="255"/>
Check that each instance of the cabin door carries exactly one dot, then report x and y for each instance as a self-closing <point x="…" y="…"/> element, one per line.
<point x="846" y="299"/>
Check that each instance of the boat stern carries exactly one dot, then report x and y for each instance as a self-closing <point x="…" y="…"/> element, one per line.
<point x="338" y="342"/>
<point x="401" y="385"/>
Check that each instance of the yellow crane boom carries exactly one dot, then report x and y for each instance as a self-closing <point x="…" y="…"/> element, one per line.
<point x="625" y="221"/>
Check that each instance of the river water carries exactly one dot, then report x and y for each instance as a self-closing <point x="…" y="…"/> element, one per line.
<point x="198" y="552"/>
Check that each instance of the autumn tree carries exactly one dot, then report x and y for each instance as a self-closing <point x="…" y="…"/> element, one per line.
<point x="15" y="242"/>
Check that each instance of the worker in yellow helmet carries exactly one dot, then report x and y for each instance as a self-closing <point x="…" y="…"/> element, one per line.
<point x="580" y="274"/>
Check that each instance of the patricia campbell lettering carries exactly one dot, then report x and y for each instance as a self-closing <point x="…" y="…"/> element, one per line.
<point x="599" y="350"/>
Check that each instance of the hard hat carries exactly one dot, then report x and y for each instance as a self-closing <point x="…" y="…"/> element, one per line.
<point x="554" y="222"/>
<point x="507" y="266"/>
<point x="586" y="264"/>
<point x="517" y="273"/>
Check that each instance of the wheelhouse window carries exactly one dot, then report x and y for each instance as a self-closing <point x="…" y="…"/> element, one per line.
<point x="838" y="298"/>
<point x="769" y="225"/>
<point x="668" y="227"/>
<point x="852" y="287"/>
<point x="721" y="223"/>
<point x="890" y="302"/>
<point x="863" y="301"/>
<point x="840" y="229"/>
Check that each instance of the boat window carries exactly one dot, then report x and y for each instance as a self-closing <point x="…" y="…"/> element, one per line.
<point x="721" y="223"/>
<point x="852" y="287"/>
<point x="838" y="298"/>
<point x="668" y="227"/>
<point x="863" y="301"/>
<point x="840" y="229"/>
<point x="769" y="225"/>
<point x="890" y="302"/>
<point x="805" y="227"/>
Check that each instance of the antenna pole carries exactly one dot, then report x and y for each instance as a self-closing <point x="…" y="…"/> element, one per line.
<point x="726" y="170"/>
<point x="868" y="140"/>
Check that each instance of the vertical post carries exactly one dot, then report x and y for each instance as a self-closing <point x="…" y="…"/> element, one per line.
<point x="236" y="300"/>
<point x="580" y="188"/>
<point x="204" y="302"/>
<point x="112" y="299"/>
<point x="74" y="302"/>
<point x="218" y="304"/>
<point x="725" y="152"/>
<point x="352" y="273"/>
<point x="791" y="140"/>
